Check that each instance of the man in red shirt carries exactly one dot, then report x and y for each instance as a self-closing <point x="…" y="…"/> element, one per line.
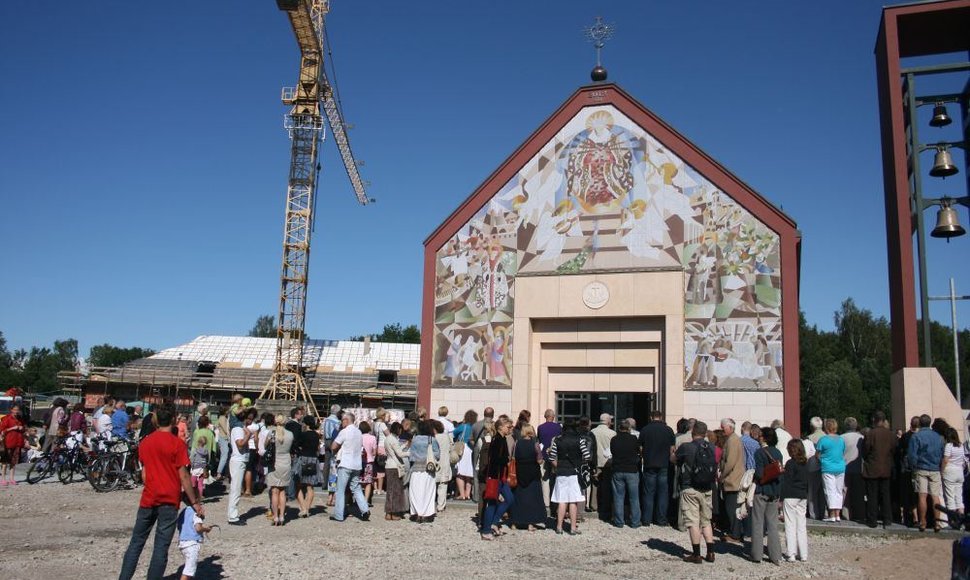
<point x="165" y="461"/>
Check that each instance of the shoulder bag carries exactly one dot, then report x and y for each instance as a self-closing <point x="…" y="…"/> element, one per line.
<point x="432" y="466"/>
<point x="772" y="470"/>
<point x="269" y="453"/>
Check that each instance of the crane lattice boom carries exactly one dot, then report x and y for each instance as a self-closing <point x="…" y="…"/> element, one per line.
<point x="305" y="125"/>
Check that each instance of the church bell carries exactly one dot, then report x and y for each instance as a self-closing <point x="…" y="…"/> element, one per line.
<point x="947" y="223"/>
<point x="943" y="164"/>
<point x="940" y="116"/>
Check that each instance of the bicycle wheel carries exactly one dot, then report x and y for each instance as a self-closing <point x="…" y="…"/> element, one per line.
<point x="95" y="472"/>
<point x="65" y="471"/>
<point x="40" y="469"/>
<point x="105" y="475"/>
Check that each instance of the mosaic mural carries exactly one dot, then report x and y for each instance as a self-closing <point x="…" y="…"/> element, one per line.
<point x="603" y="195"/>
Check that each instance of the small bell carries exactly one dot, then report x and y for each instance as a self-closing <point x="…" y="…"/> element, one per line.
<point x="940" y="116"/>
<point x="943" y="164"/>
<point x="947" y="223"/>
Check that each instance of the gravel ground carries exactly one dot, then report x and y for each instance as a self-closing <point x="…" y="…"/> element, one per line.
<point x="51" y="530"/>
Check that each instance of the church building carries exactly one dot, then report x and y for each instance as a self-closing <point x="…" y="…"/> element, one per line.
<point x="611" y="266"/>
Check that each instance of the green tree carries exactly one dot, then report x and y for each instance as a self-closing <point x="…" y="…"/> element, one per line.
<point x="265" y="327"/>
<point x="10" y="373"/>
<point x="106" y="355"/>
<point x="6" y="359"/>
<point x="837" y="391"/>
<point x="410" y="334"/>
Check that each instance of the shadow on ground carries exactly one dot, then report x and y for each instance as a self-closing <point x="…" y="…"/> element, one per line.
<point x="208" y="568"/>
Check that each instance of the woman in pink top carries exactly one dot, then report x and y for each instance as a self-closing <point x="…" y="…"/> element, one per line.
<point x="368" y="455"/>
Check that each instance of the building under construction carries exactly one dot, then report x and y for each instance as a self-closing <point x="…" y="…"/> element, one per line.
<point x="212" y="368"/>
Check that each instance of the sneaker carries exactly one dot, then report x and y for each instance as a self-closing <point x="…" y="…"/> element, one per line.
<point x="831" y="520"/>
<point x="364" y="517"/>
<point x="789" y="558"/>
<point x="694" y="559"/>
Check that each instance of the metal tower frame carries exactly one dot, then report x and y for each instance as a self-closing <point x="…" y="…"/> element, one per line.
<point x="304" y="123"/>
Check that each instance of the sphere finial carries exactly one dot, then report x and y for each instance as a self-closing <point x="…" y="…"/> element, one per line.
<point x="598" y="34"/>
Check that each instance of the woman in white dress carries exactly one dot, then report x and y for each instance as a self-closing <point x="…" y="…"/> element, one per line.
<point x="422" y="486"/>
<point x="466" y="471"/>
<point x="568" y="453"/>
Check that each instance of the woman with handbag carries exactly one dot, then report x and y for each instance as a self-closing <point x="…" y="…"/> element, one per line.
<point x="497" y="495"/>
<point x="767" y="492"/>
<point x="425" y="458"/>
<point x="529" y="508"/>
<point x="570" y="456"/>
<point x="369" y="459"/>
<point x="465" y="469"/>
<point x="307" y="465"/>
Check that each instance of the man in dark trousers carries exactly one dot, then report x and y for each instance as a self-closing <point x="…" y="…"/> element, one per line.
<point x="657" y="442"/>
<point x="879" y="448"/>
<point x="166" y="475"/>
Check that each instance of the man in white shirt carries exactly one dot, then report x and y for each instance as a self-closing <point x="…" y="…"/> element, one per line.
<point x="443" y="417"/>
<point x="348" y="447"/>
<point x="239" y="438"/>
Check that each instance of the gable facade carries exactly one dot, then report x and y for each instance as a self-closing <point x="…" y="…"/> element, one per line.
<point x="606" y="219"/>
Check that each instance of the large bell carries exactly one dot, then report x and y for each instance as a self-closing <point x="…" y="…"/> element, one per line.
<point x="947" y="223"/>
<point x="940" y="116"/>
<point x="943" y="164"/>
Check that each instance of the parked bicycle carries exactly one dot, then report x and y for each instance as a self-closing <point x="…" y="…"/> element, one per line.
<point x="47" y="464"/>
<point x="116" y="465"/>
<point x="78" y="461"/>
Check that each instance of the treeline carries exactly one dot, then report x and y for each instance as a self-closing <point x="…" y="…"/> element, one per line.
<point x="846" y="372"/>
<point x="35" y="370"/>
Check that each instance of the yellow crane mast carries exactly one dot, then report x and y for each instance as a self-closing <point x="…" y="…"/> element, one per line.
<point x="305" y="124"/>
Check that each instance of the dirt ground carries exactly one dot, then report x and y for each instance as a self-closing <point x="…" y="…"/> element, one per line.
<point x="55" y="531"/>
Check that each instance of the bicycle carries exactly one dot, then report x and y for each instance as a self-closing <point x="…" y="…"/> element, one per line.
<point x="78" y="461"/>
<point x="45" y="465"/>
<point x="112" y="467"/>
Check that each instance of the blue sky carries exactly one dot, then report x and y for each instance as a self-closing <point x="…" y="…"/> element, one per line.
<point x="144" y="161"/>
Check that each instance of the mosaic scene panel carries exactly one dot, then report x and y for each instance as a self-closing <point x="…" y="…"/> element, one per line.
<point x="603" y="195"/>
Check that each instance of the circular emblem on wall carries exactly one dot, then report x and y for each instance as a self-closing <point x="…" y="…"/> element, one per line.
<point x="596" y="295"/>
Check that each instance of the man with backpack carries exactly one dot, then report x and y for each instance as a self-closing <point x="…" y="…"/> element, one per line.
<point x="698" y="471"/>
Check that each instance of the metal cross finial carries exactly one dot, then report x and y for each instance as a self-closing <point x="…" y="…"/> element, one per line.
<point x="598" y="34"/>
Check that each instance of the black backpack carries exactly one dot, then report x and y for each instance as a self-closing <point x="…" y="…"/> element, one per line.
<point x="704" y="467"/>
<point x="269" y="454"/>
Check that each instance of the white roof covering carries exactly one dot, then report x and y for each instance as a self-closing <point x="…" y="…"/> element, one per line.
<point x="260" y="353"/>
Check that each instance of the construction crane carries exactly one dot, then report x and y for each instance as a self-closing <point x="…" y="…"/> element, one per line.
<point x="305" y="125"/>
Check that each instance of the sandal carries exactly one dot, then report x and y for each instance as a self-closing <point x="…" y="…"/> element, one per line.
<point x="558" y="532"/>
<point x="488" y="537"/>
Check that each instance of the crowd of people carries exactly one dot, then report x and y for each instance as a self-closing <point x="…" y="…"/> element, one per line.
<point x="733" y="482"/>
